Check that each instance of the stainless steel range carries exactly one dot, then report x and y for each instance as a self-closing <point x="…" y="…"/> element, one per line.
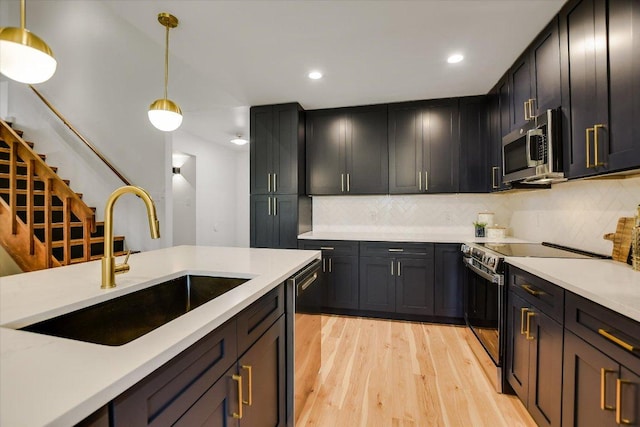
<point x="485" y="292"/>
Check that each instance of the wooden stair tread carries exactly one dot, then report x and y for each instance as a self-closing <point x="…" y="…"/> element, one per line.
<point x="7" y="150"/>
<point x="4" y="190"/>
<point x="53" y="208"/>
<point x="78" y="242"/>
<point x="24" y="178"/>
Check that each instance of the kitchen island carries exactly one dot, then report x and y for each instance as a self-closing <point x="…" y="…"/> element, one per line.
<point x="45" y="380"/>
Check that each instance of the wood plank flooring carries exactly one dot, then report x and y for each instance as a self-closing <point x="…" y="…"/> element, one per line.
<point x="391" y="373"/>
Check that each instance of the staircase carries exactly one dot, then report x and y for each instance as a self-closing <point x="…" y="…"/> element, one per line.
<point x="43" y="223"/>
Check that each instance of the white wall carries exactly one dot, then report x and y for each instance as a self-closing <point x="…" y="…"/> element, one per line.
<point x="243" y="222"/>
<point x="576" y="213"/>
<point x="185" y="202"/>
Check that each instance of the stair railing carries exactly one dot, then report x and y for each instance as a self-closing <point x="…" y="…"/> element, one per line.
<point x="82" y="138"/>
<point x="53" y="186"/>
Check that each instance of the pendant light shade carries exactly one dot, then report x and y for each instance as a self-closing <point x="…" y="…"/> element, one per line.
<point x="165" y="114"/>
<point x="25" y="57"/>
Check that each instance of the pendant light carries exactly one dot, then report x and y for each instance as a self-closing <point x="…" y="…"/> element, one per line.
<point x="25" y="57"/>
<point x="165" y="114"/>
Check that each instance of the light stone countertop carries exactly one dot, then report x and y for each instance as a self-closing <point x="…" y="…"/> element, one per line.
<point x="611" y="284"/>
<point x="46" y="380"/>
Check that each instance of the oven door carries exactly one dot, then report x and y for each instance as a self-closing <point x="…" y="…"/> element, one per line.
<point x="484" y="296"/>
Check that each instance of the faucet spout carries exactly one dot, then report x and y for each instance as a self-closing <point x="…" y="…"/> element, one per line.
<point x="109" y="267"/>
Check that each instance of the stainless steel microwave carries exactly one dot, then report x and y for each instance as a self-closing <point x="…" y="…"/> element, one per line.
<point x="533" y="153"/>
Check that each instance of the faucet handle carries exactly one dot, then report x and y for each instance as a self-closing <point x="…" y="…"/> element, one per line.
<point x="126" y="259"/>
<point x="124" y="267"/>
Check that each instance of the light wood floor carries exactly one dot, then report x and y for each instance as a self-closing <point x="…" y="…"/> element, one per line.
<point x="391" y="373"/>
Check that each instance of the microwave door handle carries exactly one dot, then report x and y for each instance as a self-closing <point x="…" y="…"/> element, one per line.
<point x="531" y="134"/>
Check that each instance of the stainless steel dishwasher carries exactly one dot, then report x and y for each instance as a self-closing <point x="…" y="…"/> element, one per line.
<point x="304" y="332"/>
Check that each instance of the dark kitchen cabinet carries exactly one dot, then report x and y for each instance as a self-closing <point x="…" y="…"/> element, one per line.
<point x="534" y="345"/>
<point x="449" y="281"/>
<point x="277" y="151"/>
<point x="276" y="221"/>
<point x="499" y="113"/>
<point x="340" y="274"/>
<point x="397" y="278"/>
<point x="424" y="147"/>
<point x="601" y="372"/>
<point x="347" y="151"/>
<point x="475" y="145"/>
<point x="583" y="36"/>
<point x="520" y="84"/>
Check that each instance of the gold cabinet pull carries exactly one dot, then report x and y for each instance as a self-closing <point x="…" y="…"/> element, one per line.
<point x="523" y="311"/>
<point x="531" y="108"/>
<point x="426" y="180"/>
<point x="323" y="265"/>
<point x="494" y="171"/>
<point x="420" y="180"/>
<point x="603" y="389"/>
<point x="342" y="182"/>
<point x="249" y="401"/>
<point x="531" y="291"/>
<point x="595" y="145"/>
<point x="392" y="268"/>
<point x="327" y="248"/>
<point x="608" y="335"/>
<point x="268" y="183"/>
<point x="330" y="265"/>
<point x="348" y="183"/>
<point x="530" y="314"/>
<point x="275" y="206"/>
<point x="588" y="147"/>
<point x="399" y="271"/>
<point x="269" y="208"/>
<point x="526" y="116"/>
<point x="275" y="183"/>
<point x="619" y="417"/>
<point x="238" y="379"/>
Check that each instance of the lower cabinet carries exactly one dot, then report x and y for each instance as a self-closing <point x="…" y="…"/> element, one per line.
<point x="208" y="384"/>
<point x="534" y="348"/>
<point x="449" y="281"/>
<point x="276" y="220"/>
<point x="601" y="372"/>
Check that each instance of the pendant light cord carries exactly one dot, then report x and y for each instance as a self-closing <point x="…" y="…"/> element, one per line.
<point x="23" y="14"/>
<point x="166" y="63"/>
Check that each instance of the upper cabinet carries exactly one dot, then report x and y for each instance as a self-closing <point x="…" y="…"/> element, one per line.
<point x="499" y="125"/>
<point x="347" y="151"/>
<point x="424" y="147"/>
<point x="534" y="78"/>
<point x="601" y="85"/>
<point x="277" y="149"/>
<point x="475" y="145"/>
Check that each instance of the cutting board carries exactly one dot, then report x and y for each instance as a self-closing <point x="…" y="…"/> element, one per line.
<point x="621" y="239"/>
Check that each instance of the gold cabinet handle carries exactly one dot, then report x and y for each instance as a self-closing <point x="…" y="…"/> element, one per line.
<point x="392" y="268"/>
<point x="588" y="147"/>
<point x="531" y="108"/>
<point x="494" y="171"/>
<point x="269" y="208"/>
<point x="399" y="270"/>
<point x="426" y="180"/>
<point x="323" y="267"/>
<point x="619" y="417"/>
<point x="327" y="248"/>
<point x="348" y="183"/>
<point x="249" y="401"/>
<point x="531" y="291"/>
<point x="342" y="182"/>
<point x="526" y="117"/>
<point x="603" y="389"/>
<point x="530" y="314"/>
<point x="275" y="183"/>
<point x="268" y="183"/>
<point x="420" y="181"/>
<point x="608" y="335"/>
<point x="330" y="265"/>
<point x="523" y="312"/>
<point x="275" y="206"/>
<point x="238" y="379"/>
<point x="595" y="145"/>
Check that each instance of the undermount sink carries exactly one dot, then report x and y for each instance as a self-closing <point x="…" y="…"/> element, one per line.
<point x="123" y="319"/>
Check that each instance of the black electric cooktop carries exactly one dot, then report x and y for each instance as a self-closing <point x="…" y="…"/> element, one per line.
<point x="539" y="250"/>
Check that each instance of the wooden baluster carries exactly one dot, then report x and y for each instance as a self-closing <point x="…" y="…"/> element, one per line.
<point x="47" y="221"/>
<point x="66" y="229"/>
<point x="30" y="204"/>
<point x="86" y="235"/>
<point x="13" y="185"/>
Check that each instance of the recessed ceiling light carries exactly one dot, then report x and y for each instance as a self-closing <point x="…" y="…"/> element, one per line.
<point x="455" y="58"/>
<point x="239" y="140"/>
<point x="315" y="75"/>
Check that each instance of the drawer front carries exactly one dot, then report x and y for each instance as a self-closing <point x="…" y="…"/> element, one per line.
<point x="395" y="250"/>
<point x="612" y="333"/>
<point x="258" y="317"/>
<point x="331" y="247"/>
<point x="162" y="397"/>
<point x="549" y="298"/>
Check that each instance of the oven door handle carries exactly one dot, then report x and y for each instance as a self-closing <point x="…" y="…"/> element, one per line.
<point x="493" y="278"/>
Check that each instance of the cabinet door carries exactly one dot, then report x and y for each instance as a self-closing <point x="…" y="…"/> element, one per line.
<point x="367" y="152"/>
<point x="343" y="282"/>
<point x="325" y="152"/>
<point x="520" y="82"/>
<point x="545" y="369"/>
<point x="285" y="148"/>
<point x="285" y="221"/>
<point x="624" y="84"/>
<point x="261" y="221"/>
<point x="589" y="385"/>
<point x="215" y="408"/>
<point x="377" y="284"/>
<point x="414" y="285"/>
<point x="441" y="135"/>
<point x="475" y="145"/>
<point x="584" y="36"/>
<point x="405" y="149"/>
<point x="545" y="69"/>
<point x="262" y="369"/>
<point x="261" y="148"/>
<point x="517" y="347"/>
<point x="629" y="397"/>
<point x="449" y="272"/>
<point x="499" y="110"/>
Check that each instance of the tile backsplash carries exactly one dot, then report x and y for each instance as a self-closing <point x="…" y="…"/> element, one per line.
<point x="575" y="213"/>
